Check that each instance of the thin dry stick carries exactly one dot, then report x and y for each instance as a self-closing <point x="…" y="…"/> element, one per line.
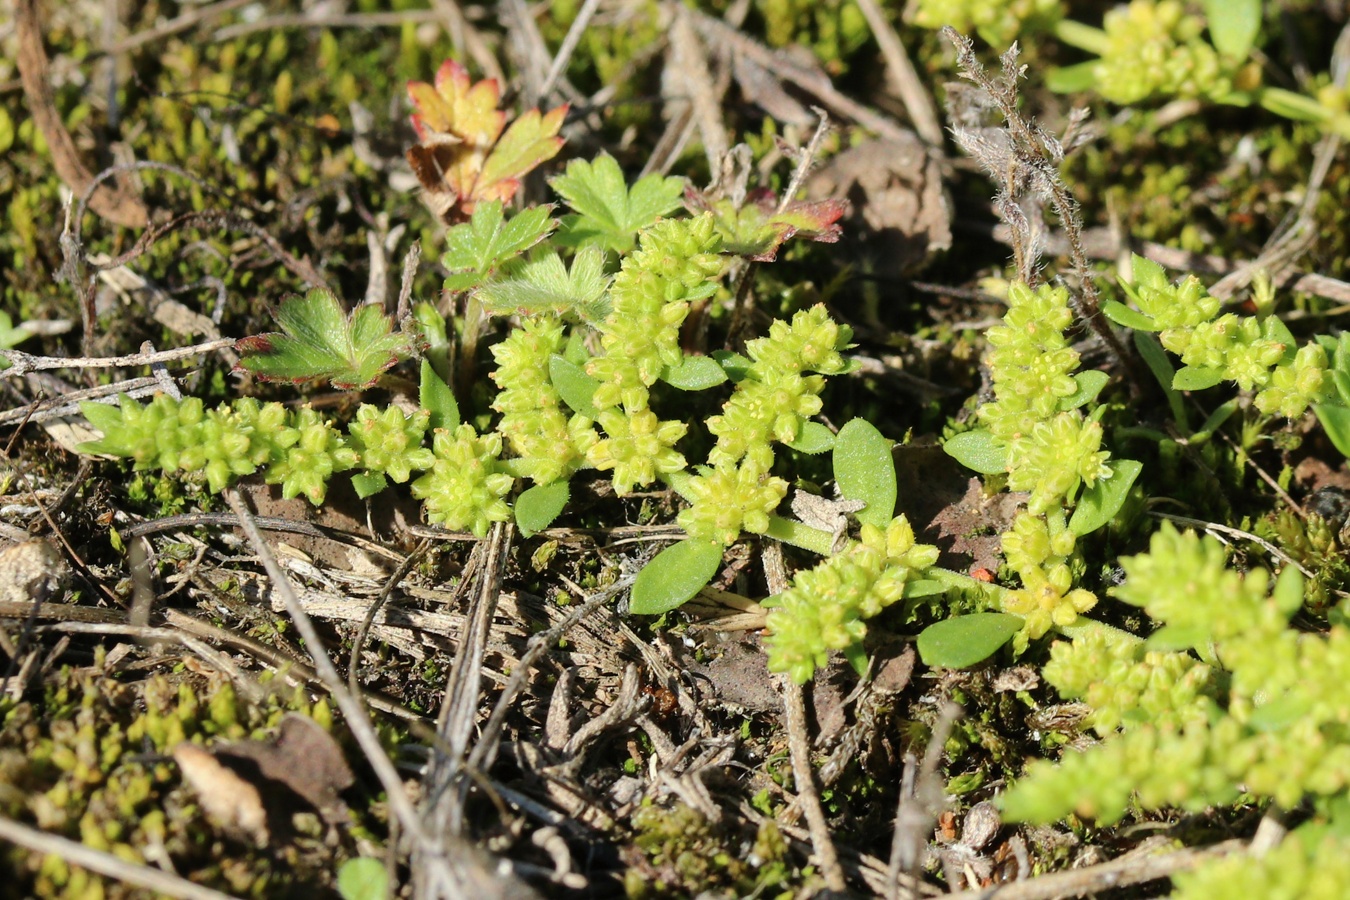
<point x="176" y="24"/>
<point x="105" y="864"/>
<point x="359" y="642"/>
<point x="345" y="20"/>
<point x="23" y="363"/>
<point x="352" y="710"/>
<point x="908" y="86"/>
<point x="485" y="751"/>
<point x="569" y="45"/>
<point x="119" y="205"/>
<point x="460" y="706"/>
<point x="1117" y="873"/>
<point x="799" y="747"/>
<point x="919" y="805"/>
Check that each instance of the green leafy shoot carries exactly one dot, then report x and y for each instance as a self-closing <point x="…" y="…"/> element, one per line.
<point x="319" y="340"/>
<point x="607" y="213"/>
<point x="476" y="249"/>
<point x="546" y="285"/>
<point x="674" y="576"/>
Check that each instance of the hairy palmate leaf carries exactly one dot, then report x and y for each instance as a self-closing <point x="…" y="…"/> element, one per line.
<point x="546" y="285"/>
<point x="462" y="158"/>
<point x="609" y="213"/>
<point x="476" y="249"/>
<point x="757" y="228"/>
<point x="319" y="340"/>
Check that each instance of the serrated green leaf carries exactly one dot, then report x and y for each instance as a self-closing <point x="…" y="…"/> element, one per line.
<point x="864" y="471"/>
<point x="674" y="576"/>
<point x="320" y="341"/>
<point x="966" y="640"/>
<point x="477" y="248"/>
<point x="694" y="373"/>
<point x="1233" y="26"/>
<point x="1090" y="384"/>
<point x="537" y="507"/>
<point x="573" y="384"/>
<point x="813" y="438"/>
<point x="609" y="214"/>
<point x="979" y="451"/>
<point x="1193" y="378"/>
<point x="1130" y="318"/>
<point x="1101" y="502"/>
<point x="363" y="878"/>
<point x="546" y="285"/>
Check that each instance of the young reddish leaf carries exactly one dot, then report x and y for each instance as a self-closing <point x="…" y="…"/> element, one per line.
<point x="320" y="341"/>
<point x="757" y="229"/>
<point x="462" y="157"/>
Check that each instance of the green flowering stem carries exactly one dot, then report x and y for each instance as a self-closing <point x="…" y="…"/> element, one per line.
<point x="789" y="531"/>
<point x="993" y="594"/>
<point x="1084" y="37"/>
<point x="799" y="534"/>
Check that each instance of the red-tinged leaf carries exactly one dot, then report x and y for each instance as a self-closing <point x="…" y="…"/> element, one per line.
<point x="319" y="340"/>
<point x="462" y="157"/>
<point x="531" y="140"/>
<point x="757" y="229"/>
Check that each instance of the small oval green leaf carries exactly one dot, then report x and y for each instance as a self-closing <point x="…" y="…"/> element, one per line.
<point x="537" y="507"/>
<point x="1192" y="378"/>
<point x="368" y="484"/>
<point x="363" y="878"/>
<point x="734" y="364"/>
<point x="978" y="450"/>
<point x="1103" y="500"/>
<point x="673" y="576"/>
<point x="694" y="373"/>
<point x="1335" y="421"/>
<point x="865" y="471"/>
<point x="435" y="396"/>
<point x="1233" y="26"/>
<point x="1131" y="318"/>
<point x="573" y="384"/>
<point x="813" y="438"/>
<point x="966" y="640"/>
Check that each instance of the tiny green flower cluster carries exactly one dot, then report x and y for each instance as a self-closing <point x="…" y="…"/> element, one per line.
<point x="774" y="398"/>
<point x="1307" y="867"/>
<point x="1125" y="683"/>
<point x="677" y="262"/>
<point x="299" y="450"/>
<point x="1052" y="453"/>
<point x="827" y="607"/>
<point x="1155" y="47"/>
<point x="1255" y="353"/>
<point x="465" y="486"/>
<point x="730" y="499"/>
<point x="771" y="403"/>
<point x="998" y="22"/>
<point x="1040" y="549"/>
<point x="389" y="442"/>
<point x="550" y="443"/>
<point x="1278" y="724"/>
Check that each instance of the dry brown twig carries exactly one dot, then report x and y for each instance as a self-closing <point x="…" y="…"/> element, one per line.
<point x="903" y="77"/>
